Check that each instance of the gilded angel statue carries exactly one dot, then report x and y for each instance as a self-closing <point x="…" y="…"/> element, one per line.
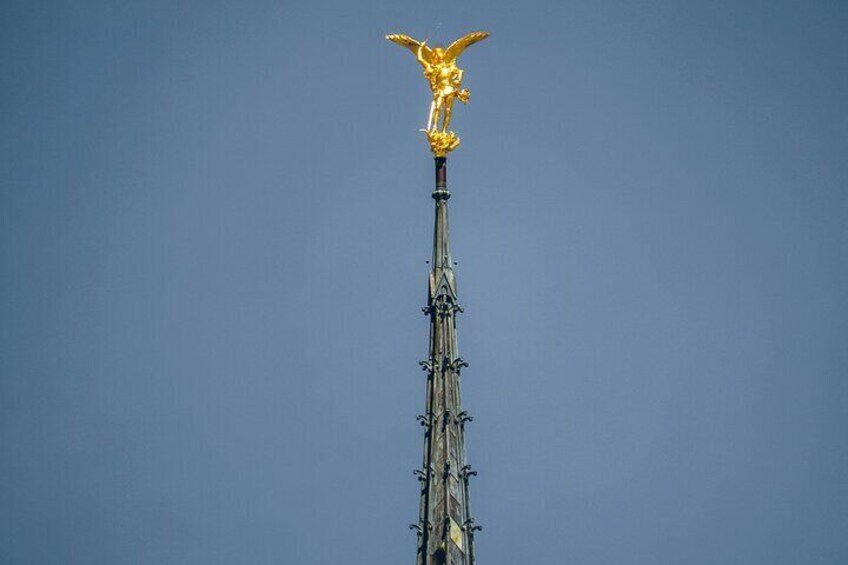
<point x="445" y="80"/>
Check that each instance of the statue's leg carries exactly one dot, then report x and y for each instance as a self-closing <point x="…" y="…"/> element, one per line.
<point x="448" y="112"/>
<point x="438" y="113"/>
<point x="430" y="124"/>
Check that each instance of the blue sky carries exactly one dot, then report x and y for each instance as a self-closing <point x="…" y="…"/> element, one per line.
<point x="214" y="222"/>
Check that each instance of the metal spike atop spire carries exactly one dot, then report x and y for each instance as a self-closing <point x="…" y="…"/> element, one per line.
<point x="445" y="526"/>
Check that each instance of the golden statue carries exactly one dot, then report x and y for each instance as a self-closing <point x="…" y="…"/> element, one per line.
<point x="445" y="80"/>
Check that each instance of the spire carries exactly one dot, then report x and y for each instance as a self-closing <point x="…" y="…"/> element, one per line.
<point x="445" y="527"/>
<point x="442" y="280"/>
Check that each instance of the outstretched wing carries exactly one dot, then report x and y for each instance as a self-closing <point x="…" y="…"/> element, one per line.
<point x="457" y="47"/>
<point x="412" y="45"/>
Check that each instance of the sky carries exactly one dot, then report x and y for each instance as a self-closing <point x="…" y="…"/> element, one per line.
<point x="214" y="222"/>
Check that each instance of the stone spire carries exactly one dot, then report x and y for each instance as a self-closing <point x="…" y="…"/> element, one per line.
<point x="445" y="526"/>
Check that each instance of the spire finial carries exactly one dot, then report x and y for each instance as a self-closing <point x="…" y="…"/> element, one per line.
<point x="445" y="80"/>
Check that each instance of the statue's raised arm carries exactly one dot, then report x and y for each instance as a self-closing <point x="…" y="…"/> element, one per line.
<point x="419" y="54"/>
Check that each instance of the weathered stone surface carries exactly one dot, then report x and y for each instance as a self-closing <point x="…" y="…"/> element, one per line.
<point x="446" y="530"/>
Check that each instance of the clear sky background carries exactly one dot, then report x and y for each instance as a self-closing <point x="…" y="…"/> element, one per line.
<point x="214" y="222"/>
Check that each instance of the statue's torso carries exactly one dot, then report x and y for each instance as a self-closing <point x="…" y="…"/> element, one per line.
<point x="444" y="79"/>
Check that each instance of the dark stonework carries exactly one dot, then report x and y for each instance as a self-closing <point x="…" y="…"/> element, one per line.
<point x="445" y="527"/>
